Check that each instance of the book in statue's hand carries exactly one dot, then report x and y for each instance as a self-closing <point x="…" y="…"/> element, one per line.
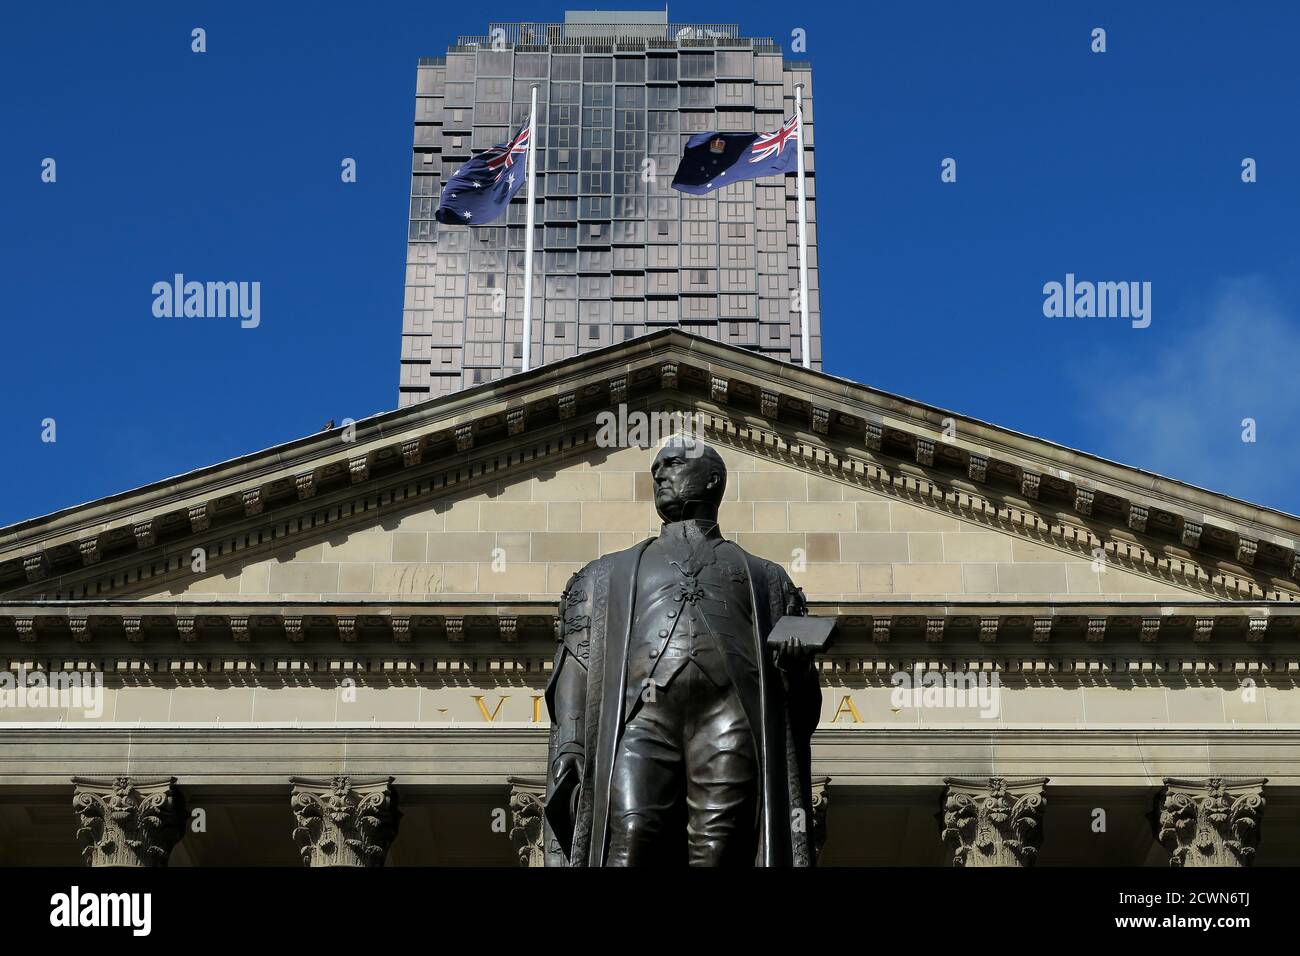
<point x="816" y="633"/>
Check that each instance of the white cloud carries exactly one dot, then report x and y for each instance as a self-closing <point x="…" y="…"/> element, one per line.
<point x="1180" y="412"/>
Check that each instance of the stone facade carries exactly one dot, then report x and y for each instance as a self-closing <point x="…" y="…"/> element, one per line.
<point x="1035" y="647"/>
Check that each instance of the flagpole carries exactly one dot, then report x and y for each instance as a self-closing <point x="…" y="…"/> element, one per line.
<point x="528" y="238"/>
<point x="803" y="235"/>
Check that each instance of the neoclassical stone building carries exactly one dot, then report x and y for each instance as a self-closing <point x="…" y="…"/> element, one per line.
<point x="333" y="651"/>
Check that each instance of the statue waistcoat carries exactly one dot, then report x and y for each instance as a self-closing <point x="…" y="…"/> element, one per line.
<point x="693" y="607"/>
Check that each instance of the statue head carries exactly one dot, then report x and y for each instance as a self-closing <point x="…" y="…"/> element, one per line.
<point x="689" y="479"/>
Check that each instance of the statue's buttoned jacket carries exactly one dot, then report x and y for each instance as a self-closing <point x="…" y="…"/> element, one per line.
<point x="686" y="619"/>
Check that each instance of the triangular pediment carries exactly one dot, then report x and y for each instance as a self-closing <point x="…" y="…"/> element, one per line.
<point x="519" y="538"/>
<point x="861" y="493"/>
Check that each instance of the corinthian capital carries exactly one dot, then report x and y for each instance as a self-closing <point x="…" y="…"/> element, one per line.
<point x="344" y="821"/>
<point x="527" y="823"/>
<point x="127" y="821"/>
<point x="1210" y="822"/>
<point x="994" y="821"/>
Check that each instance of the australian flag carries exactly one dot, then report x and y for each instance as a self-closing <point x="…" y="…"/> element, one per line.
<point x="480" y="190"/>
<point x="714" y="160"/>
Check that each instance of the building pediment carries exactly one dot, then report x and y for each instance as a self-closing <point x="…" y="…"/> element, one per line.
<point x="882" y="445"/>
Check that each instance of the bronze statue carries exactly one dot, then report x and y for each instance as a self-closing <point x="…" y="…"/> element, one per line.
<point x="679" y="734"/>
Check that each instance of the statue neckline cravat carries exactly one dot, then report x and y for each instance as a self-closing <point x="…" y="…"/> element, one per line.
<point x="706" y="527"/>
<point x="690" y="544"/>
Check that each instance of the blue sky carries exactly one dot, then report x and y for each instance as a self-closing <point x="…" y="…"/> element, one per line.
<point x="1122" y="166"/>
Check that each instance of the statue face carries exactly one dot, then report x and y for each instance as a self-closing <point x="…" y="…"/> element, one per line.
<point x="680" y="478"/>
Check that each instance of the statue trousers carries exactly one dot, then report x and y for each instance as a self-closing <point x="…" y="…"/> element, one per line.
<point x="686" y="756"/>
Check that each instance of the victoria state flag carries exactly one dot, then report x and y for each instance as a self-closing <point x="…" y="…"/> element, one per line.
<point x="481" y="190"/>
<point x="714" y="160"/>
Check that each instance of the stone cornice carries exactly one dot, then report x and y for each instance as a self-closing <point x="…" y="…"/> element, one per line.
<point x="1202" y="541"/>
<point x="1100" y="641"/>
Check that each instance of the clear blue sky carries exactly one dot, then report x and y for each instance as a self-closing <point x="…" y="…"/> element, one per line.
<point x="1117" y="166"/>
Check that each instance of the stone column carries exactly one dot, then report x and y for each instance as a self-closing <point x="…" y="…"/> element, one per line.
<point x="344" y="821"/>
<point x="127" y="821"/>
<point x="527" y="823"/>
<point x="994" y="821"/>
<point x="820" y="805"/>
<point x="1210" y="822"/>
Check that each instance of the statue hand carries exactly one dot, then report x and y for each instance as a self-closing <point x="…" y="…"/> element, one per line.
<point x="793" y="656"/>
<point x="566" y="764"/>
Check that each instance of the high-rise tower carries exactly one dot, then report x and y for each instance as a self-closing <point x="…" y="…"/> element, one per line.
<point x="617" y="252"/>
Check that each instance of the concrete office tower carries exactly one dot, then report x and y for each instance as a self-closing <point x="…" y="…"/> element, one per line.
<point x="617" y="252"/>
